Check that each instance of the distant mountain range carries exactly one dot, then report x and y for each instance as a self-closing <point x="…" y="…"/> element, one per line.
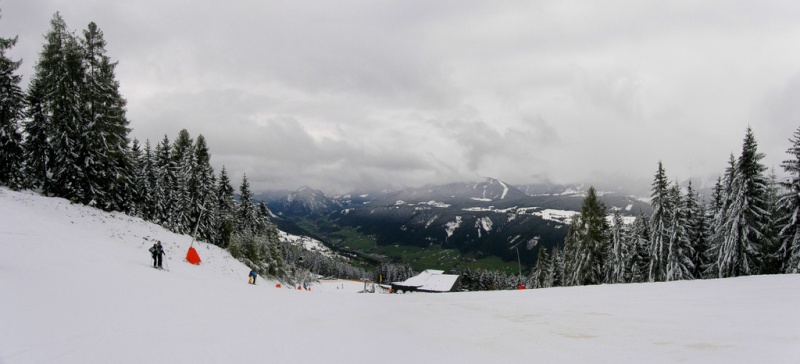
<point x="481" y="219"/>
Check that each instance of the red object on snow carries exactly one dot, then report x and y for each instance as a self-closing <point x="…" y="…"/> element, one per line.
<point x="192" y="256"/>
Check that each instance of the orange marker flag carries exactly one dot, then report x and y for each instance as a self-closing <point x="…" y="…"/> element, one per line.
<point x="192" y="256"/>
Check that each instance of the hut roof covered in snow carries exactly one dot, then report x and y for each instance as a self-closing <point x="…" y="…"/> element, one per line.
<point x="429" y="280"/>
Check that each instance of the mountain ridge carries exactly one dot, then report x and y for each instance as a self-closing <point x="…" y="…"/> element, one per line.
<point x="489" y="218"/>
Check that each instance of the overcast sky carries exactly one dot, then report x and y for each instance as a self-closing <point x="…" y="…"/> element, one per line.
<point x="341" y="95"/>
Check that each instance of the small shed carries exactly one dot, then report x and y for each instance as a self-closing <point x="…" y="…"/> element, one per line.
<point x="428" y="281"/>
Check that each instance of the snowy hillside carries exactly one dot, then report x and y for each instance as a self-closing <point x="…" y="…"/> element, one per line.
<point x="76" y="286"/>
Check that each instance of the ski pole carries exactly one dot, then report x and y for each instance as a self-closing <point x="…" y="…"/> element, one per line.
<point x="166" y="265"/>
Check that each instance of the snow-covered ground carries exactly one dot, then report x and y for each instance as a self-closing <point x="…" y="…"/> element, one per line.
<point x="307" y="242"/>
<point x="76" y="286"/>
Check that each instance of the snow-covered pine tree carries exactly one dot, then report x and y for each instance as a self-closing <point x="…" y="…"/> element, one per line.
<point x="56" y="126"/>
<point x="164" y="198"/>
<point x="789" y="202"/>
<point x="36" y="146"/>
<point x="277" y="265"/>
<point x="556" y="273"/>
<point x="721" y="203"/>
<point x="589" y="243"/>
<point x="679" y="251"/>
<point x="466" y="278"/>
<point x="68" y="169"/>
<point x="147" y="182"/>
<point x="38" y="130"/>
<point x="263" y="214"/>
<point x="108" y="167"/>
<point x="136" y="156"/>
<point x="772" y="258"/>
<point x="717" y="198"/>
<point x="12" y="108"/>
<point x="638" y="245"/>
<point x="741" y="226"/>
<point x="571" y="245"/>
<point x="541" y="269"/>
<point x="183" y="159"/>
<point x="617" y="254"/>
<point x="698" y="230"/>
<point x="226" y="210"/>
<point x="202" y="187"/>
<point x="550" y="273"/>
<point x="660" y="223"/>
<point x="246" y="212"/>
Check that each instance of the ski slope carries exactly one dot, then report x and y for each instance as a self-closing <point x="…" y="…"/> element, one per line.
<point x="76" y="286"/>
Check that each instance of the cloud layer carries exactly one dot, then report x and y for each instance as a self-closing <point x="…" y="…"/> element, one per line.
<point x="361" y="94"/>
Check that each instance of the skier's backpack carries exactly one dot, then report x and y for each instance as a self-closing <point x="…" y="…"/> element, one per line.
<point x="152" y="250"/>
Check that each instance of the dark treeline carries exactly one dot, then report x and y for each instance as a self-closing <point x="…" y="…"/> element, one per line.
<point x="68" y="137"/>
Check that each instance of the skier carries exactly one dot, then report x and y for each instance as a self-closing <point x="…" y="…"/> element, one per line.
<point x="253" y="276"/>
<point x="159" y="254"/>
<point x="154" y="251"/>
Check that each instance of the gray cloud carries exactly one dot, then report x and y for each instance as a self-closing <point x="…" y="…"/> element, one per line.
<point x="357" y="94"/>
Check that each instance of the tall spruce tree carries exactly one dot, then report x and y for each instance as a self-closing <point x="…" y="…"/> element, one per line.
<point x="617" y="256"/>
<point x="202" y="186"/>
<point x="107" y="162"/>
<point x="679" y="265"/>
<point x="183" y="160"/>
<point x="772" y="257"/>
<point x="165" y="187"/>
<point x="37" y="146"/>
<point x="556" y="271"/>
<point x="226" y="210"/>
<point x="137" y="192"/>
<point x="723" y="192"/>
<point x="717" y="198"/>
<point x="661" y="222"/>
<point x="247" y="213"/>
<point x="789" y="202"/>
<point x="571" y="244"/>
<point x="639" y="243"/>
<point x="12" y="108"/>
<point x="587" y="243"/>
<point x="55" y="147"/>
<point x="541" y="269"/>
<point x="742" y="224"/>
<point x="147" y="183"/>
<point x="263" y="215"/>
<point x="698" y="230"/>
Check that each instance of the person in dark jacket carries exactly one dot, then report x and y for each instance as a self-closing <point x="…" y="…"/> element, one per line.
<point x="253" y="276"/>
<point x="154" y="252"/>
<point x="159" y="254"/>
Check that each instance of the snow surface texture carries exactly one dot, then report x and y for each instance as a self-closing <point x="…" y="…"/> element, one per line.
<point x="76" y="286"/>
